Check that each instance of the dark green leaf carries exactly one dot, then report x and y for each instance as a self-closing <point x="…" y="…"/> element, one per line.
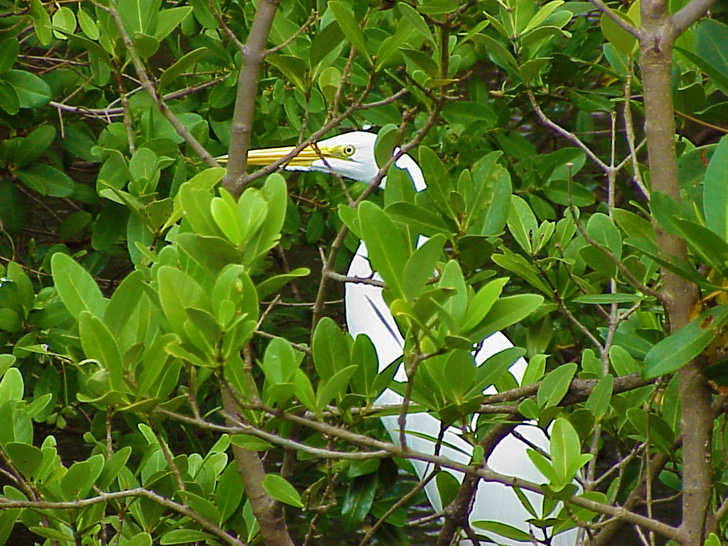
<point x="673" y="352"/>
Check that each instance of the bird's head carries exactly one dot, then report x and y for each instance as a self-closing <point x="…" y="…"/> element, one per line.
<point x="350" y="155"/>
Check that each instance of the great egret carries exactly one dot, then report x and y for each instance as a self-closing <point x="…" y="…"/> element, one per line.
<point x="351" y="155"/>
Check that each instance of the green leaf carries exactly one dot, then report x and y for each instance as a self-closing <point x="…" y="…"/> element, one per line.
<point x="386" y="249"/>
<point x="176" y="292"/>
<point x="673" y="352"/>
<point x="350" y="28"/>
<point x="335" y="387"/>
<point x="602" y="230"/>
<point x="77" y="482"/>
<point x="76" y="287"/>
<point x="520" y="266"/>
<point x="229" y="492"/>
<point x="522" y="223"/>
<point x="566" y="455"/>
<point x="47" y="180"/>
<point x="99" y="344"/>
<point x="416" y="21"/>
<point x="124" y="301"/>
<point x="357" y="502"/>
<point x="273" y="284"/>
<point x="41" y="22"/>
<point x="633" y="225"/>
<point x="184" y="536"/>
<point x="439" y="184"/>
<point x="604" y="299"/>
<point x="710" y="40"/>
<point x="200" y="505"/>
<point x="249" y="442"/>
<point x="600" y="398"/>
<point x="712" y="249"/>
<point x="279" y="362"/>
<point x="64" y="20"/>
<point x="625" y="42"/>
<point x="715" y="191"/>
<point x="9" y="49"/>
<point x="88" y="24"/>
<point x="541" y="15"/>
<point x="8" y="517"/>
<point x="482" y="303"/>
<point x="555" y="385"/>
<point x="32" y="91"/>
<point x="330" y="348"/>
<point x="169" y="19"/>
<point x="506" y="312"/>
<point x="563" y="193"/>
<point x="227" y="217"/>
<point x="421" y="265"/>
<point x="325" y="43"/>
<point x="280" y="489"/>
<point x="9" y="100"/>
<point x="503" y="529"/>
<point x="11" y="386"/>
<point x="275" y="194"/>
<point x="420" y="219"/>
<point x="205" y="180"/>
<point x="113" y="466"/>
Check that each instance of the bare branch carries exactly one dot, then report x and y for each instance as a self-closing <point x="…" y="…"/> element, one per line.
<point x="253" y="54"/>
<point x="689" y="14"/>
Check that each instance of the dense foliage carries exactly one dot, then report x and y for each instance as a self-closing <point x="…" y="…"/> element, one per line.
<point x="175" y="364"/>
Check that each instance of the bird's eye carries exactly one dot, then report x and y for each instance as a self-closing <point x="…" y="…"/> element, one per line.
<point x="348" y="150"/>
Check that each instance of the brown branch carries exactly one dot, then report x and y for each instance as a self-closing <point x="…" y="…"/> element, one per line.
<point x="134" y="493"/>
<point x="253" y="54"/>
<point x="681" y="295"/>
<point x="689" y="14"/>
<point x="266" y="509"/>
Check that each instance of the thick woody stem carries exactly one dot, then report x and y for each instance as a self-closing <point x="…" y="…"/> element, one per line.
<point x="253" y="54"/>
<point x="658" y="34"/>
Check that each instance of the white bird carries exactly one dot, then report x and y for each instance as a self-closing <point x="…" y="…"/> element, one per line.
<point x="351" y="155"/>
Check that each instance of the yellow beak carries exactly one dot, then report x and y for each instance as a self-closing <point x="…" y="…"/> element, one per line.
<point x="266" y="156"/>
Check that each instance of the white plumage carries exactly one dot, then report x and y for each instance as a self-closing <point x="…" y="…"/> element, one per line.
<point x="352" y="155"/>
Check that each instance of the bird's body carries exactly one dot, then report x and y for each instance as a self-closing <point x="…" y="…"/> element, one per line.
<point x="351" y="155"/>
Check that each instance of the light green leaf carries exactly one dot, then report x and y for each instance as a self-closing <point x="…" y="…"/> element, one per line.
<point x="416" y="21"/>
<point x="600" y="398"/>
<point x="555" y="385"/>
<point x="387" y="251"/>
<point x="522" y="223"/>
<point x="350" y="28"/>
<point x="330" y="347"/>
<point x="76" y="287"/>
<point x="482" y="303"/>
<point x="421" y="265"/>
<point x="715" y="191"/>
<point x="99" y="344"/>
<point x="280" y="489"/>
<point x="11" y="386"/>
